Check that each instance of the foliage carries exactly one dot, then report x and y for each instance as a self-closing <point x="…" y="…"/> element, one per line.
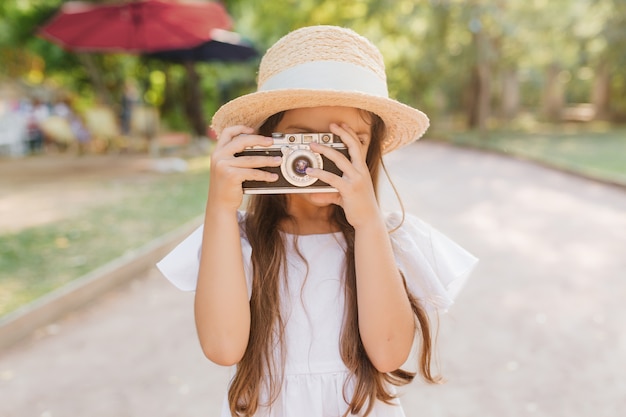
<point x="430" y="48"/>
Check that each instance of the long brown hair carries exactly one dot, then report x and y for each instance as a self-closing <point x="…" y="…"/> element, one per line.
<point x="265" y="214"/>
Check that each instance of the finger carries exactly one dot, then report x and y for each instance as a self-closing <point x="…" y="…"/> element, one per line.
<point x="242" y="142"/>
<point x="237" y="175"/>
<point x="328" y="177"/>
<point x="250" y="161"/>
<point x="258" y="175"/>
<point x="230" y="132"/>
<point x="352" y="142"/>
<point x="334" y="155"/>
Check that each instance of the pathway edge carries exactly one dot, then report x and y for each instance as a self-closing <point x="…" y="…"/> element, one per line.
<point x="22" y="322"/>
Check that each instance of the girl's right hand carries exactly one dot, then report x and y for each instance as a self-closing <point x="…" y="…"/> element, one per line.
<point x="228" y="171"/>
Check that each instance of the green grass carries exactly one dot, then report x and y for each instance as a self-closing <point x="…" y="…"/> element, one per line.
<point x="595" y="152"/>
<point x="40" y="259"/>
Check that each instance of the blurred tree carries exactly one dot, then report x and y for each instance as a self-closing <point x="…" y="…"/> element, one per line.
<point x="480" y="58"/>
<point x="608" y="46"/>
<point x="43" y="65"/>
<point x="21" y="51"/>
<point x="483" y="22"/>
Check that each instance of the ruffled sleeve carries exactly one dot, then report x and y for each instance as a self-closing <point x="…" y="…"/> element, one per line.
<point x="181" y="265"/>
<point x="435" y="267"/>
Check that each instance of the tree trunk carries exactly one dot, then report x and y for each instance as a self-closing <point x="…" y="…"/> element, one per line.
<point x="479" y="108"/>
<point x="553" y="94"/>
<point x="479" y="100"/>
<point x="601" y="94"/>
<point x="170" y="98"/>
<point x="510" y="94"/>
<point x="193" y="104"/>
<point x="95" y="75"/>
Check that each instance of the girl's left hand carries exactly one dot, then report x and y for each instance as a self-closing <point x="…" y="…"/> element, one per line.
<point x="356" y="190"/>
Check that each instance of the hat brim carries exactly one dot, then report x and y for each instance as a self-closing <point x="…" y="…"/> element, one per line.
<point x="403" y="123"/>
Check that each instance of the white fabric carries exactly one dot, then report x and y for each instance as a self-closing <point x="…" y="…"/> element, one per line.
<point x="434" y="267"/>
<point x="328" y="75"/>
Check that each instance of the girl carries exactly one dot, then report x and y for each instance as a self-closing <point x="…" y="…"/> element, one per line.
<point x="315" y="297"/>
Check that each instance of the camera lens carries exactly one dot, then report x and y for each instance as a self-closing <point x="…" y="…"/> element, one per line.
<point x="295" y="163"/>
<point x="300" y="165"/>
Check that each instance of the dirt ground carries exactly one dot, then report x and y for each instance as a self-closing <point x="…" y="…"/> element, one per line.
<point x="44" y="188"/>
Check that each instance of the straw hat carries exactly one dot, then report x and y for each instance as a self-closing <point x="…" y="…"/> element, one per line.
<point x="324" y="66"/>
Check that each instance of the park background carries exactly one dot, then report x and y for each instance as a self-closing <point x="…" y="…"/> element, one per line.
<point x="523" y="67"/>
<point x="542" y="79"/>
<point x="535" y="80"/>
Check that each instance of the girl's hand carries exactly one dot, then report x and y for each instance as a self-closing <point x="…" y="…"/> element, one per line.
<point x="356" y="190"/>
<point x="228" y="171"/>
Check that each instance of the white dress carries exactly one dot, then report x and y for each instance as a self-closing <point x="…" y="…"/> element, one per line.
<point x="435" y="269"/>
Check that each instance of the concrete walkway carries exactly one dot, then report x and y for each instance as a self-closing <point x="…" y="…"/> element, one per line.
<point x="538" y="331"/>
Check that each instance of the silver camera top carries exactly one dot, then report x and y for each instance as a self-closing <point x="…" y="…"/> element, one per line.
<point x="298" y="140"/>
<point x="329" y="139"/>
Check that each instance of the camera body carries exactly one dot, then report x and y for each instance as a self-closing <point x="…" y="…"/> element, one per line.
<point x="297" y="157"/>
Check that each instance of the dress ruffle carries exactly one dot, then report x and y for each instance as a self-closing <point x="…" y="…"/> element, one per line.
<point x="182" y="264"/>
<point x="435" y="267"/>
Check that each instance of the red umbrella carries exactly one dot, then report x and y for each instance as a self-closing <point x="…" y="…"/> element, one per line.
<point x="135" y="26"/>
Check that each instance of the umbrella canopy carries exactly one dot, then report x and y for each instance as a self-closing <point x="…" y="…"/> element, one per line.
<point x="224" y="46"/>
<point x="135" y="26"/>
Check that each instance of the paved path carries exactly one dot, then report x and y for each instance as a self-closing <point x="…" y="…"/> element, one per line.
<point x="538" y="331"/>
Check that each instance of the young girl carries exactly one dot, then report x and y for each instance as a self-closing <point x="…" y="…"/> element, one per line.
<point x="315" y="297"/>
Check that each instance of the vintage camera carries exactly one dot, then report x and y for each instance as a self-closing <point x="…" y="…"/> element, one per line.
<point x="297" y="157"/>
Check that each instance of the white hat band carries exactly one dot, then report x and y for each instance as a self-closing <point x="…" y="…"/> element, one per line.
<point x="328" y="75"/>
